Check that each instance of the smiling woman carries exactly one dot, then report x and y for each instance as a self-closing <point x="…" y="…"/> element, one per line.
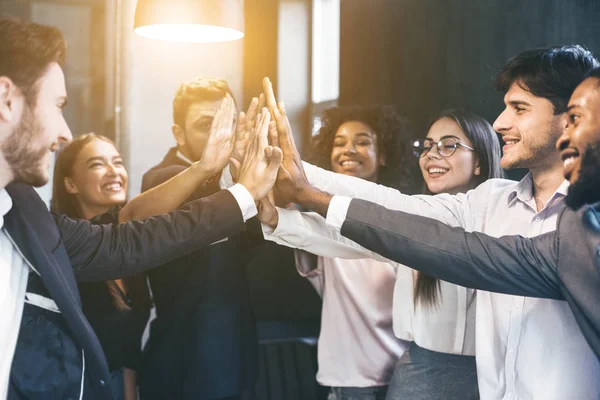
<point x="90" y="182"/>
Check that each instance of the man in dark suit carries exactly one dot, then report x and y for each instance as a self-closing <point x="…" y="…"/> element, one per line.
<point x="48" y="349"/>
<point x="564" y="264"/>
<point x="203" y="341"/>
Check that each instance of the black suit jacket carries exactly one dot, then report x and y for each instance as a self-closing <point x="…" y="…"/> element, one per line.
<point x="203" y="342"/>
<point x="563" y="265"/>
<point x="63" y="250"/>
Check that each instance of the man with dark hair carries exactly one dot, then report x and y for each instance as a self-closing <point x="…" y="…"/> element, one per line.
<point x="203" y="341"/>
<point x="516" y="357"/>
<point x="48" y="349"/>
<point x="560" y="265"/>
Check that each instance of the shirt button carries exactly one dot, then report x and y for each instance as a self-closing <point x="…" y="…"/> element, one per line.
<point x="537" y="219"/>
<point x="102" y="383"/>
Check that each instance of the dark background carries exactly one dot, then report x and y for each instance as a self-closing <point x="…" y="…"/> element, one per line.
<point x="427" y="55"/>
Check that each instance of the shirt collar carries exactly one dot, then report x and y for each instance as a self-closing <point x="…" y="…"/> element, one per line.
<point x="523" y="191"/>
<point x="181" y="156"/>
<point x="5" y="205"/>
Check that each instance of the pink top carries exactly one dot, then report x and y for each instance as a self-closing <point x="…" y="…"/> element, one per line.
<point x="357" y="345"/>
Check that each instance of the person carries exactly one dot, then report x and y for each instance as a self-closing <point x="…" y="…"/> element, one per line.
<point x="90" y="182"/>
<point x="203" y="341"/>
<point x="559" y="265"/>
<point x="512" y="332"/>
<point x="459" y="152"/>
<point x="49" y="349"/>
<point x="369" y="142"/>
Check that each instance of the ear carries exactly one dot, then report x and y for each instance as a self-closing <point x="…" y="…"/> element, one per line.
<point x="477" y="171"/>
<point x="8" y="94"/>
<point x="70" y="186"/>
<point x="178" y="134"/>
<point x="382" y="160"/>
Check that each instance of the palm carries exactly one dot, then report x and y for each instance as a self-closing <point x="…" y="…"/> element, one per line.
<point x="219" y="146"/>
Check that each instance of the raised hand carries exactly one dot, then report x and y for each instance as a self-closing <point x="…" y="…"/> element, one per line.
<point x="291" y="182"/>
<point x="258" y="171"/>
<point x="219" y="146"/>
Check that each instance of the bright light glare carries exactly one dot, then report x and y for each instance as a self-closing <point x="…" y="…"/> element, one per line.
<point x="188" y="33"/>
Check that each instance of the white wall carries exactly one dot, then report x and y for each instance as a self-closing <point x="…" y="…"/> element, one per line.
<point x="152" y="71"/>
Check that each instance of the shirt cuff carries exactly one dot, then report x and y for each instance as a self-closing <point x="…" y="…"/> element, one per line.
<point x="244" y="200"/>
<point x="337" y="211"/>
<point x="285" y="218"/>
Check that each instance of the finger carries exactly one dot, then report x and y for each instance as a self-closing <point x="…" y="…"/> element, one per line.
<point x="240" y="129"/>
<point x="231" y="114"/>
<point x="268" y="152"/>
<point x="273" y="135"/>
<point x="269" y="94"/>
<point x="251" y="114"/>
<point x="264" y="129"/>
<point x="261" y="101"/>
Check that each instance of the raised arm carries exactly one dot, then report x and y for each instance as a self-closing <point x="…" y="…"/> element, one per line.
<point x="100" y="252"/>
<point x="171" y="194"/>
<point x="511" y="264"/>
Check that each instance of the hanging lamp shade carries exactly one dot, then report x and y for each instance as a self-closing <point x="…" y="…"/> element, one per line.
<point x="203" y="21"/>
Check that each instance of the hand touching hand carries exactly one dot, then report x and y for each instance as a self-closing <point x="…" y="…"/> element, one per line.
<point x="258" y="172"/>
<point x="245" y="127"/>
<point x="291" y="181"/>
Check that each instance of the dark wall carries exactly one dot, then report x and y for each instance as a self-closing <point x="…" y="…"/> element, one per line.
<point x="426" y="55"/>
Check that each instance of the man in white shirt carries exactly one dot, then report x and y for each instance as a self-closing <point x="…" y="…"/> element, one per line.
<point x="526" y="348"/>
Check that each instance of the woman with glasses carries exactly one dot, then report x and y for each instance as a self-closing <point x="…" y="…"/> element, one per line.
<point x="460" y="151"/>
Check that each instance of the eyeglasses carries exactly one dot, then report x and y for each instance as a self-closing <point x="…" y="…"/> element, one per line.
<point x="446" y="147"/>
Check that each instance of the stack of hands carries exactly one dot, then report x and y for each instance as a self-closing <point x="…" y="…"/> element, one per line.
<point x="261" y="153"/>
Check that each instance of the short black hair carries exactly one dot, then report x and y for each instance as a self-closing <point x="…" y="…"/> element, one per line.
<point x="394" y="135"/>
<point x="26" y="51"/>
<point x="552" y="73"/>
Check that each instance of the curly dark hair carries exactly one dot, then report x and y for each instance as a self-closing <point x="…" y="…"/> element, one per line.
<point x="393" y="141"/>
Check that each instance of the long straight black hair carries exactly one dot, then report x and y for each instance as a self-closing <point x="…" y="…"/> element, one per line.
<point x="487" y="148"/>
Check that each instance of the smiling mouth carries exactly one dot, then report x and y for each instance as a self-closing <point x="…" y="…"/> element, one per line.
<point x="437" y="171"/>
<point x="510" y="142"/>
<point x="350" y="163"/>
<point x="569" y="158"/>
<point x="113" y="187"/>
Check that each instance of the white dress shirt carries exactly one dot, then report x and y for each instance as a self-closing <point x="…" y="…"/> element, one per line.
<point x="448" y="328"/>
<point x="13" y="283"/>
<point x="526" y="348"/>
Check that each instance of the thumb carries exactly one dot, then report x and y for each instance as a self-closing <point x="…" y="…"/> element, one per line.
<point x="235" y="164"/>
<point x="274" y="160"/>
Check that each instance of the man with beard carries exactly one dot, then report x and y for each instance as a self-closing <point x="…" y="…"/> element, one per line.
<point x="48" y="349"/>
<point x="203" y="341"/>
<point x="563" y="265"/>
<point x="512" y="331"/>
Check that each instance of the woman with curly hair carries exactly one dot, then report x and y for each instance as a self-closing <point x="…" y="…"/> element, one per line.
<point x="357" y="346"/>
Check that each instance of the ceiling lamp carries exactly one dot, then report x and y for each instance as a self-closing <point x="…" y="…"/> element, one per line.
<point x="199" y="21"/>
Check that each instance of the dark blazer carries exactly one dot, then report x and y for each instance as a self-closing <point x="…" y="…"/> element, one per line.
<point x="563" y="265"/>
<point x="63" y="250"/>
<point x="203" y="342"/>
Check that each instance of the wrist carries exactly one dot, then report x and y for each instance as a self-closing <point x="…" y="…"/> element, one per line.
<point x="314" y="199"/>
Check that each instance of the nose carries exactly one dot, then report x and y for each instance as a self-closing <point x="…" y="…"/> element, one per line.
<point x="431" y="154"/>
<point x="349" y="149"/>
<point x="502" y="123"/>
